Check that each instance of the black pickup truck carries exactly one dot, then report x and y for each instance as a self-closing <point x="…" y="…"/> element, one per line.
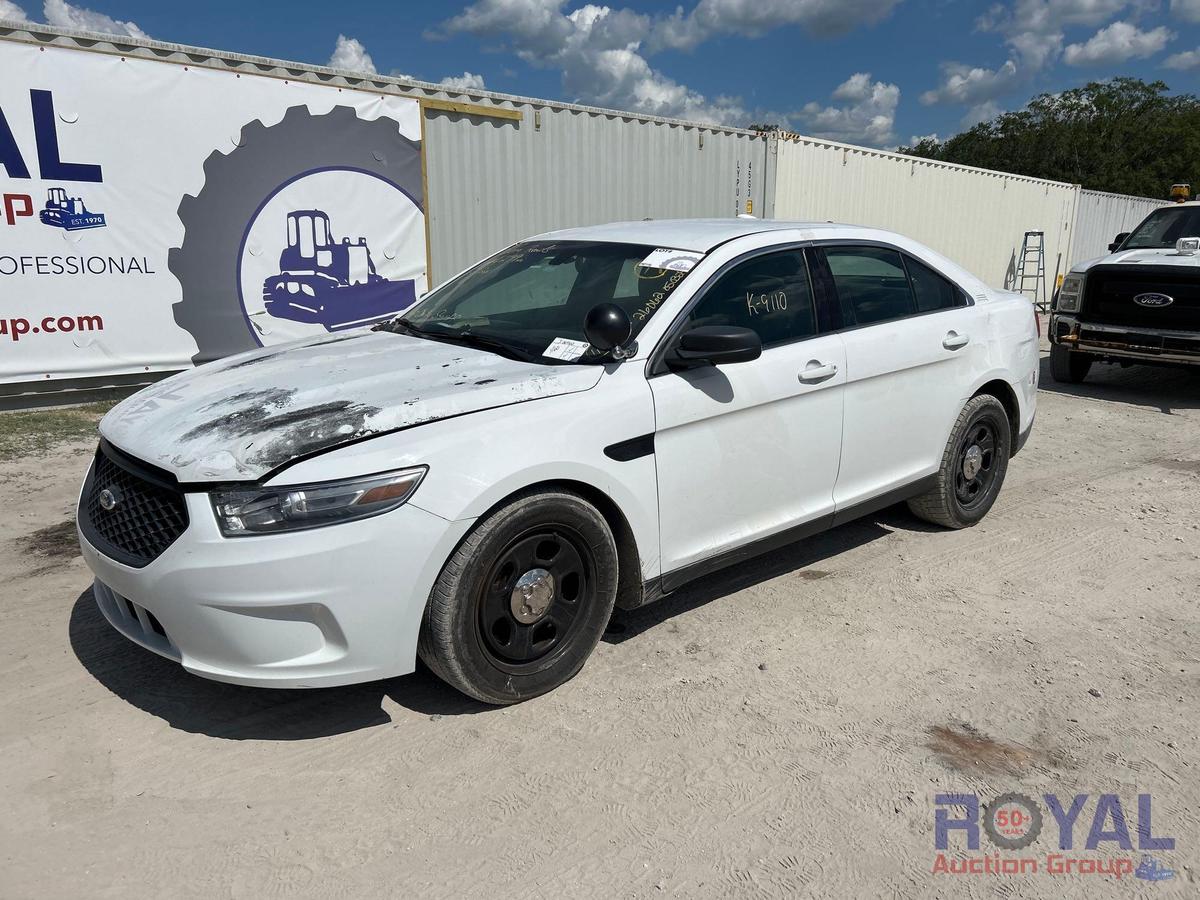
<point x="1138" y="305"/>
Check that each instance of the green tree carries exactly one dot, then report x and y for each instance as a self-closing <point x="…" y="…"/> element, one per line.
<point x="1125" y="135"/>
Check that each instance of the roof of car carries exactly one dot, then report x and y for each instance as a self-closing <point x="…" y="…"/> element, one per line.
<point x="700" y="235"/>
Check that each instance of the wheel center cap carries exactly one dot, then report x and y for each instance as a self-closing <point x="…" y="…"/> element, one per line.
<point x="972" y="462"/>
<point x="532" y="596"/>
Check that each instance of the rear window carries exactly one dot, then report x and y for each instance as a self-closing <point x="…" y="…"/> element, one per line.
<point x="931" y="290"/>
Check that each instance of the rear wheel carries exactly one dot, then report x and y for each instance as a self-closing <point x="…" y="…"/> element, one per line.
<point x="973" y="466"/>
<point x="1068" y="366"/>
<point x="521" y="604"/>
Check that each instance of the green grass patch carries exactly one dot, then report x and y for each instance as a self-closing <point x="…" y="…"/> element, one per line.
<point x="38" y="431"/>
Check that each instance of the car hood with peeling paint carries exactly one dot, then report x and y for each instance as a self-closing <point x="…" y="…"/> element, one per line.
<point x="240" y="418"/>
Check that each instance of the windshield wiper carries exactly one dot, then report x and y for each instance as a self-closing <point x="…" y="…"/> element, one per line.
<point x="399" y="326"/>
<point x="465" y="338"/>
<point x="481" y="342"/>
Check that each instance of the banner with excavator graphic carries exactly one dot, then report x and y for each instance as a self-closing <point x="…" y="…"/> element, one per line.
<point x="155" y="215"/>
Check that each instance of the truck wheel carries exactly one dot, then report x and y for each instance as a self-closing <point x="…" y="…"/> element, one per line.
<point x="1068" y="366"/>
<point x="523" y="601"/>
<point x="973" y="466"/>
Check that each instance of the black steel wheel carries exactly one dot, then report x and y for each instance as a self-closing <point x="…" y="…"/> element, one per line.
<point x="977" y="464"/>
<point x="973" y="466"/>
<point x="530" y="602"/>
<point x="523" y="601"/>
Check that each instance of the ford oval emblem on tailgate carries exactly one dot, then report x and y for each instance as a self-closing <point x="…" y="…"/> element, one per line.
<point x="1153" y="300"/>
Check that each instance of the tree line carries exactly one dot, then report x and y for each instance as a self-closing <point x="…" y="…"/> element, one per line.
<point x="1124" y="135"/>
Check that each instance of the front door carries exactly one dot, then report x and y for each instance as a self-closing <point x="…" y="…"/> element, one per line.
<point x="747" y="450"/>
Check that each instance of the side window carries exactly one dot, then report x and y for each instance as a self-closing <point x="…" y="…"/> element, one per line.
<point x="871" y="283"/>
<point x="769" y="294"/>
<point x="931" y="289"/>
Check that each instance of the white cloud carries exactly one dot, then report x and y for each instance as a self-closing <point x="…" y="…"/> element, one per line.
<point x="918" y="138"/>
<point x="754" y="18"/>
<point x="12" y="12"/>
<point x="64" y="15"/>
<point x="1188" y="10"/>
<point x="1118" y="43"/>
<point x="867" y="116"/>
<point x="603" y="51"/>
<point x="598" y="51"/>
<point x="1034" y="28"/>
<point x="467" y="81"/>
<point x="981" y="112"/>
<point x="1183" y="62"/>
<point x="973" y="85"/>
<point x="622" y="79"/>
<point x="1036" y="49"/>
<point x="351" y="55"/>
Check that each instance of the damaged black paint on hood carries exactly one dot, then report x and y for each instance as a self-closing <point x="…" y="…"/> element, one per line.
<point x="240" y="418"/>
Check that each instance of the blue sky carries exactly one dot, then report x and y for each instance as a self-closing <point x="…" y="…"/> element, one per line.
<point x="876" y="72"/>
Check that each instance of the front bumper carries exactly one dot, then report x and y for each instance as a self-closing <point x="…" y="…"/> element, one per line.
<point x="329" y="606"/>
<point x="1142" y="344"/>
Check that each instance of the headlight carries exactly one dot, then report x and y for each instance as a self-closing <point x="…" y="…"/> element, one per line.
<point x="1070" y="293"/>
<point x="293" y="508"/>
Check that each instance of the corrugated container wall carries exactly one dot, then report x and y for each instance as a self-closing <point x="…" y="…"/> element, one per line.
<point x="976" y="217"/>
<point x="1102" y="217"/>
<point x="492" y="182"/>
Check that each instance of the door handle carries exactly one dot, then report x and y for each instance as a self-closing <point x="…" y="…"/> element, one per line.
<point x="955" y="341"/>
<point x="817" y="371"/>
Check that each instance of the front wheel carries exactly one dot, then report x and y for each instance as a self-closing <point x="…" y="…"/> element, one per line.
<point x="973" y="466"/>
<point x="523" y="601"/>
<point x="1068" y="366"/>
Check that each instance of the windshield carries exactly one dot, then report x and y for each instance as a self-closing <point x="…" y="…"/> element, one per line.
<point x="537" y="293"/>
<point x="1164" y="227"/>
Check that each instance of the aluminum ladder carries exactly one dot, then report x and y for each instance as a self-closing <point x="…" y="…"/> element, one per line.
<point x="1031" y="269"/>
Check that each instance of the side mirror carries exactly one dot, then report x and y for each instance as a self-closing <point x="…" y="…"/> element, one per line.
<point x="607" y="327"/>
<point x="714" y="345"/>
<point x="1117" y="242"/>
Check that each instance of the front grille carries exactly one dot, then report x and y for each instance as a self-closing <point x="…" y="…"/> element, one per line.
<point x="1109" y="293"/>
<point x="147" y="511"/>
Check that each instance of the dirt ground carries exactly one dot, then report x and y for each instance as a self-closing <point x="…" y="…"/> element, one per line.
<point x="779" y="730"/>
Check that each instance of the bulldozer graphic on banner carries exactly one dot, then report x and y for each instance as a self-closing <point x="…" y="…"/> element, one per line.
<point x="328" y="282"/>
<point x="62" y="211"/>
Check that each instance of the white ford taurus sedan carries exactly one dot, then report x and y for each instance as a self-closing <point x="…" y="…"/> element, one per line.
<point x="591" y="417"/>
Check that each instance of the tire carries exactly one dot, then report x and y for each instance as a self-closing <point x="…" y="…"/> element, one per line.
<point x="236" y="184"/>
<point x="959" y="501"/>
<point x="477" y="638"/>
<point x="1068" y="366"/>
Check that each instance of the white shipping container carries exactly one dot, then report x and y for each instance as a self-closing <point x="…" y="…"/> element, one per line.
<point x="976" y="217"/>
<point x="1102" y="217"/>
<point x="492" y="182"/>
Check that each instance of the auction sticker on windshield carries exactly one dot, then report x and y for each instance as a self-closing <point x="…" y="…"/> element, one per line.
<point x="677" y="260"/>
<point x="566" y="349"/>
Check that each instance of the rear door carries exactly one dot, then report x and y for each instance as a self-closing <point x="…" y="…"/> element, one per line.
<point x="912" y="341"/>
<point x="746" y="450"/>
